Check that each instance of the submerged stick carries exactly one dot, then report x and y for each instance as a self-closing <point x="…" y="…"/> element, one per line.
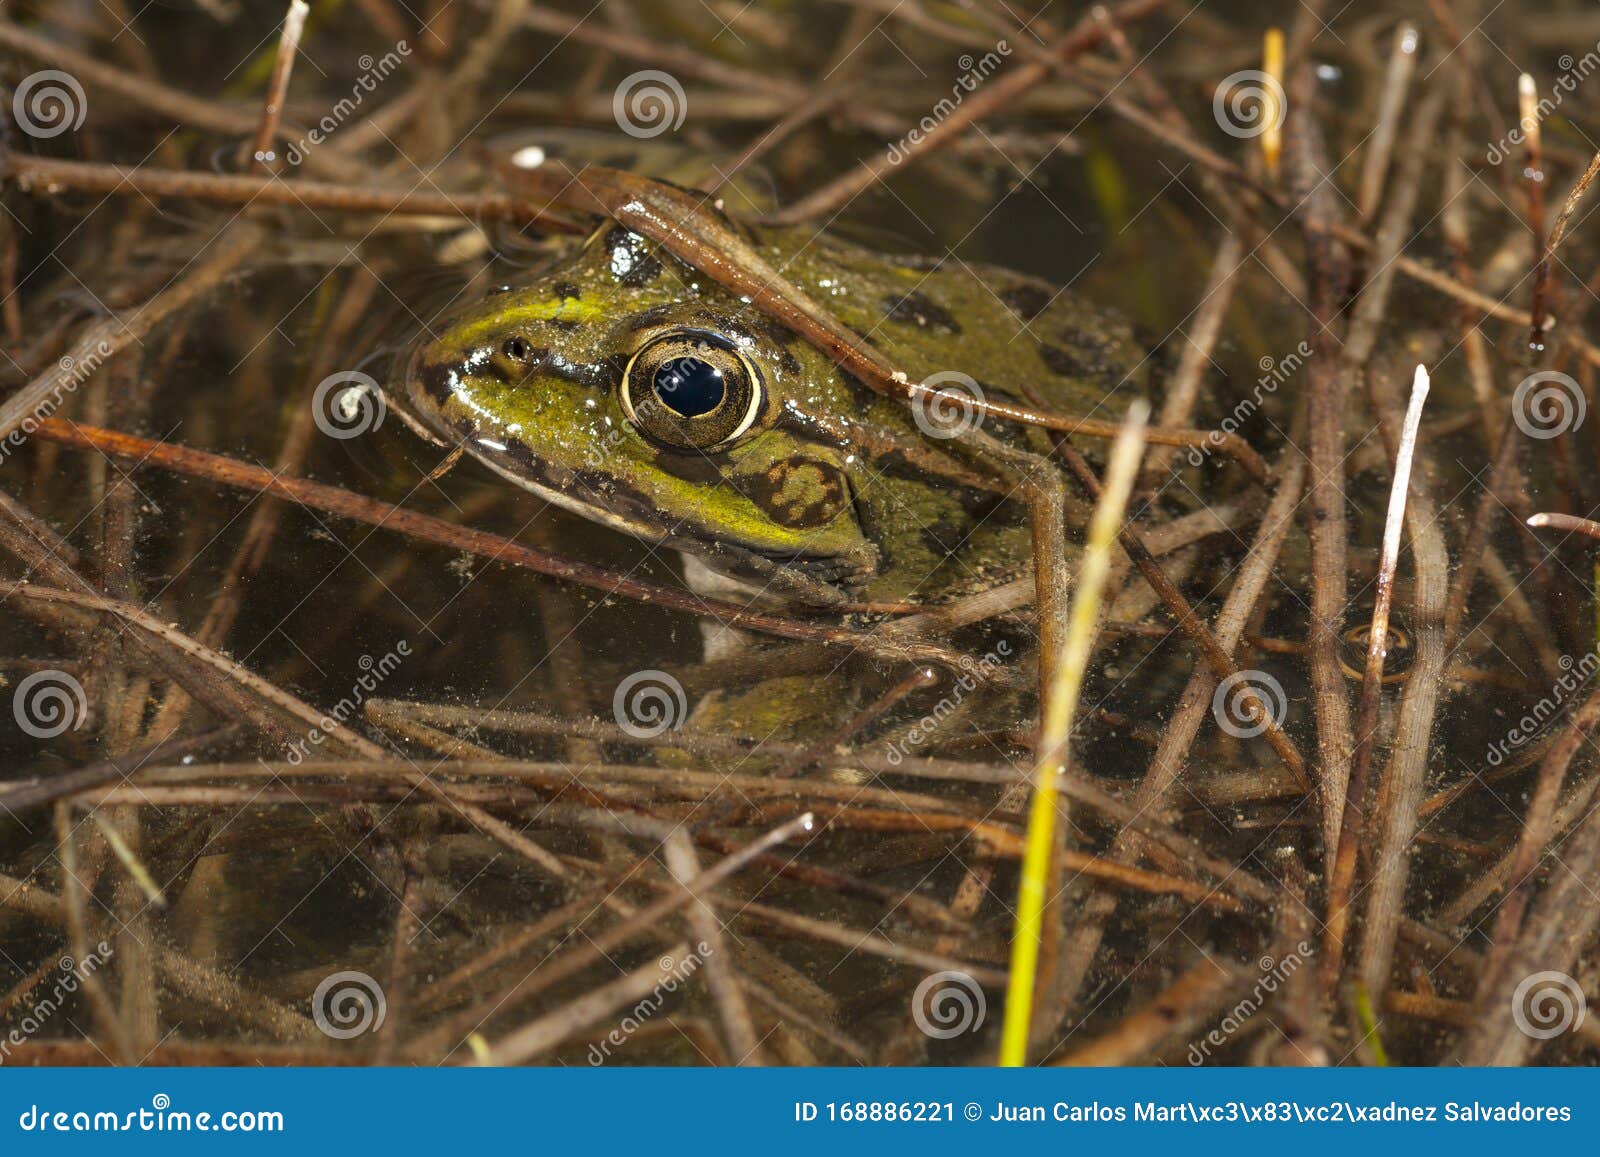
<point x="100" y="341"/>
<point x="540" y="1036"/>
<point x="1375" y="164"/>
<point x="1528" y="106"/>
<point x="1087" y="34"/>
<point x="1568" y="522"/>
<point x="595" y="947"/>
<point x="48" y="175"/>
<point x="16" y="795"/>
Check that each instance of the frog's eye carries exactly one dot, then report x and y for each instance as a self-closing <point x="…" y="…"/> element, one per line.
<point x="692" y="390"/>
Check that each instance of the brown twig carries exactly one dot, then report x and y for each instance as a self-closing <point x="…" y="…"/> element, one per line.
<point x="294" y="23"/>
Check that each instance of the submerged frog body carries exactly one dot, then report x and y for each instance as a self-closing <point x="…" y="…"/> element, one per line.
<point x="628" y="387"/>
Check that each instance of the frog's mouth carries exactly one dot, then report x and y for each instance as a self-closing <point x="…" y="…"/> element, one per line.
<point x="818" y="578"/>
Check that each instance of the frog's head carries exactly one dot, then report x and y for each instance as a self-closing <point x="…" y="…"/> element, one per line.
<point x="622" y="386"/>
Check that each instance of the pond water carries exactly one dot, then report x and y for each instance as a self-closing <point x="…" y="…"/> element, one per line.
<point x="334" y="869"/>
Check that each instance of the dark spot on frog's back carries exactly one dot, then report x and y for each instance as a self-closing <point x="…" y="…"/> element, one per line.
<point x="921" y="311"/>
<point x="1063" y="361"/>
<point x="631" y="260"/>
<point x="1027" y="301"/>
<point x="566" y="290"/>
<point x="1082" y="366"/>
<point x="943" y="538"/>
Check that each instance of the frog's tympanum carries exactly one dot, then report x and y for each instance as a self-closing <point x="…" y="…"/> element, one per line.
<point x="627" y="386"/>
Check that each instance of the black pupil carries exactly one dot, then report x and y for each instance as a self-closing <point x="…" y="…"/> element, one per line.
<point x="689" y="387"/>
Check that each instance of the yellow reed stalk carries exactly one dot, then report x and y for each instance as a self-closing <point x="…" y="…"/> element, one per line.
<point x="1060" y="705"/>
<point x="1272" y="95"/>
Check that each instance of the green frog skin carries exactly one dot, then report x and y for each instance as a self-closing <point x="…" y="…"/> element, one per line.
<point x="624" y="385"/>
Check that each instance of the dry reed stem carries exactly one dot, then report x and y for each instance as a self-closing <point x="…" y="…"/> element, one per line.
<point x="1352" y="827"/>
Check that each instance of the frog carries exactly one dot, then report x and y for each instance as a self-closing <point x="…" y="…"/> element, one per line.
<point x="624" y="385"/>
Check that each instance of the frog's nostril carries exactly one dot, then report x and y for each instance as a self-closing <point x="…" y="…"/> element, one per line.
<point x="517" y="349"/>
<point x="689" y="386"/>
